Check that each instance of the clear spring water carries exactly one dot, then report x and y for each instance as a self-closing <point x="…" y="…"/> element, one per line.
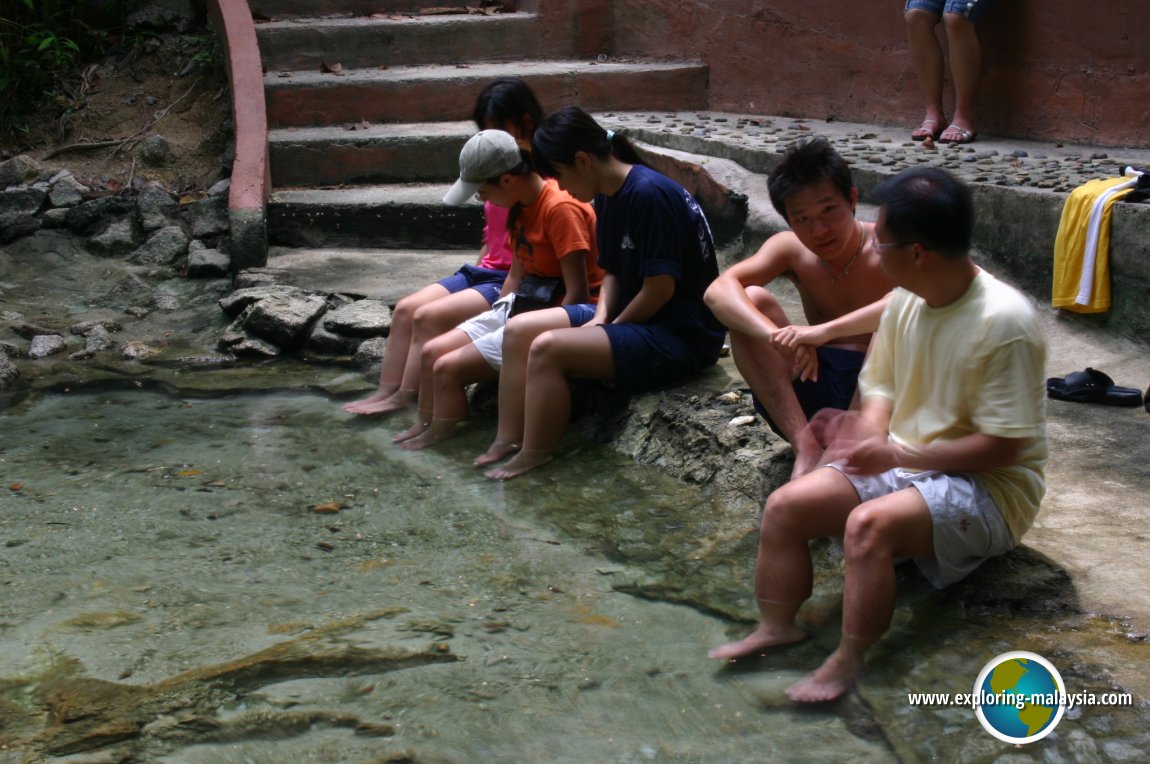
<point x="143" y="535"/>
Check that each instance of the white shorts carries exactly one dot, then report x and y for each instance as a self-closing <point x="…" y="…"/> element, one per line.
<point x="967" y="527"/>
<point x="486" y="330"/>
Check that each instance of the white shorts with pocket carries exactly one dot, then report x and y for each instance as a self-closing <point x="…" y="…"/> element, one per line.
<point x="486" y="330"/>
<point x="967" y="527"/>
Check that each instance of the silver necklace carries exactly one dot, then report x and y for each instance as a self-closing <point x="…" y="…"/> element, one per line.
<point x="847" y="269"/>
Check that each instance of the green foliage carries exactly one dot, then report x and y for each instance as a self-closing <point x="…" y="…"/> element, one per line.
<point x="41" y="44"/>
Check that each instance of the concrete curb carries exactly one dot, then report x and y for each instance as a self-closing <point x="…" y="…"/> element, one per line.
<point x="251" y="175"/>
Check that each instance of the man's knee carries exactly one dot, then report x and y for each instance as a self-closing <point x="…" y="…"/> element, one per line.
<point x="779" y="515"/>
<point x="867" y="533"/>
<point x="763" y="300"/>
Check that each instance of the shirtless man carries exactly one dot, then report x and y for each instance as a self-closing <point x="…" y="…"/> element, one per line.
<point x="795" y="371"/>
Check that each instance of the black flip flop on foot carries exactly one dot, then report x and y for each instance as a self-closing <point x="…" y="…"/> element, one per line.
<point x="1091" y="386"/>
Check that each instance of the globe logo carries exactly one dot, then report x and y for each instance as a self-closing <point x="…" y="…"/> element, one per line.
<point x="1019" y="697"/>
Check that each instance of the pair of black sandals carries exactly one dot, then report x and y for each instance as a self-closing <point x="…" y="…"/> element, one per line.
<point x="1093" y="386"/>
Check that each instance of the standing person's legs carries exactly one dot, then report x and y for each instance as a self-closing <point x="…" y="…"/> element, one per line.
<point x="927" y="61"/>
<point x="770" y="374"/>
<point x="965" y="69"/>
<point x="812" y="506"/>
<point x="877" y="532"/>
<point x="555" y="355"/>
<point x="518" y="335"/>
<point x="395" y="355"/>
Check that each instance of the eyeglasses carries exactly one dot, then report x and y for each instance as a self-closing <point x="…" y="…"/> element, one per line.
<point x="879" y="246"/>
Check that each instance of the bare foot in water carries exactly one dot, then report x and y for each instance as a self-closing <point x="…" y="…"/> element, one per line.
<point x="829" y="681"/>
<point x="758" y="640"/>
<point x="353" y="407"/>
<point x="439" y="429"/>
<point x="389" y="404"/>
<point x="498" y="451"/>
<point x="415" y="430"/>
<point x="523" y="461"/>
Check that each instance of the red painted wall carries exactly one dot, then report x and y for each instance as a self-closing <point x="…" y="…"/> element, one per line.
<point x="1053" y="70"/>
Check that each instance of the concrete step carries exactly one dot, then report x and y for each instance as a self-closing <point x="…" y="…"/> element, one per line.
<point x="310" y="44"/>
<point x="406" y="153"/>
<point x="428" y="153"/>
<point x="389" y="216"/>
<point x="276" y="9"/>
<point x="445" y="93"/>
<point x="380" y="274"/>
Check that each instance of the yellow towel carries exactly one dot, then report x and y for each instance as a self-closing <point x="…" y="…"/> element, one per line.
<point x="1082" y="274"/>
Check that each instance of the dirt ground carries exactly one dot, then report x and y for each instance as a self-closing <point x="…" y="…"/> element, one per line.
<point x="167" y="85"/>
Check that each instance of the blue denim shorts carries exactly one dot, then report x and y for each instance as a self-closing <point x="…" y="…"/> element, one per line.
<point x="971" y="9"/>
<point x="646" y="356"/>
<point x="486" y="281"/>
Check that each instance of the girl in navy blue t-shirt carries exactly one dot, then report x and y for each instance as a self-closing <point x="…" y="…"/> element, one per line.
<point x="650" y="327"/>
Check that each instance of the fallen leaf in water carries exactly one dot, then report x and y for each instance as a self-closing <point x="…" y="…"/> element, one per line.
<point x="327" y="508"/>
<point x="15" y="486"/>
<point x="599" y="620"/>
<point x="189" y="473"/>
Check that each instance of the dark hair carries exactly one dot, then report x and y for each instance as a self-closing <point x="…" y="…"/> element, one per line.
<point x="930" y="206"/>
<point x="508" y="101"/>
<point x="804" y="164"/>
<point x="568" y="131"/>
<point x="525" y="167"/>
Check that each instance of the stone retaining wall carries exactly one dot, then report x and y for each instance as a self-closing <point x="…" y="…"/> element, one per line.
<point x="1053" y="70"/>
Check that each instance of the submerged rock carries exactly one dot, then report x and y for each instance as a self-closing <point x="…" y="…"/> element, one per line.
<point x="254" y="347"/>
<point x="370" y="352"/>
<point x="327" y="342"/>
<point x="131" y="290"/>
<point x="84" y="328"/>
<point x="44" y="345"/>
<point x="9" y="374"/>
<point x="137" y="350"/>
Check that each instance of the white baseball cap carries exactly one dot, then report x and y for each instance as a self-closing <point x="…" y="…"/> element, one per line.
<point x="486" y="155"/>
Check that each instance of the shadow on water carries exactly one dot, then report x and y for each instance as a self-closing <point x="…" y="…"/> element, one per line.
<point x="260" y="578"/>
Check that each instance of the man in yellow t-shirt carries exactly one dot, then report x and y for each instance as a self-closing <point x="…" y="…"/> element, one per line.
<point x="944" y="462"/>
